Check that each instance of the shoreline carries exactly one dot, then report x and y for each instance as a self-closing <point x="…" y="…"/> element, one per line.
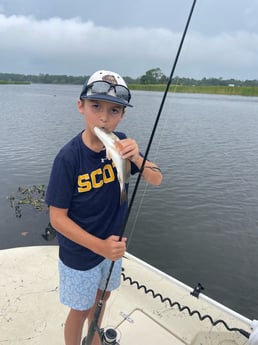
<point x="4" y="82"/>
<point x="251" y="91"/>
<point x="248" y="91"/>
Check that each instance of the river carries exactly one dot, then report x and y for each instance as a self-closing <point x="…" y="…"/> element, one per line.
<point x="201" y="225"/>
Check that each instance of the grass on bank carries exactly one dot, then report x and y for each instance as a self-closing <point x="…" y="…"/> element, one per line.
<point x="213" y="89"/>
<point x="220" y="90"/>
<point x="7" y="82"/>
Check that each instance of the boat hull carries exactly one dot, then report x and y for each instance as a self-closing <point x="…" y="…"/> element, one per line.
<point x="144" y="310"/>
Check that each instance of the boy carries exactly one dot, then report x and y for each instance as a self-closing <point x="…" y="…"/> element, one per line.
<point x="84" y="202"/>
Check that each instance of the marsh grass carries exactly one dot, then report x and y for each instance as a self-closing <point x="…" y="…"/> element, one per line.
<point x="220" y="90"/>
<point x="213" y="89"/>
<point x="7" y="82"/>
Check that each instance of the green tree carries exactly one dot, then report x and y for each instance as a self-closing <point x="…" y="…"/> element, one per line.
<point x="153" y="76"/>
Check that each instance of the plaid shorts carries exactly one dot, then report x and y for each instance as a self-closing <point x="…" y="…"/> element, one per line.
<point x="78" y="289"/>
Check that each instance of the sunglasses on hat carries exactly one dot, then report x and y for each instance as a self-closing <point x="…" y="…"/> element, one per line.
<point x="106" y="88"/>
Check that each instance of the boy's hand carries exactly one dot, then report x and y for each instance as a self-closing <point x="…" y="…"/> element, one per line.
<point x="129" y="149"/>
<point x="113" y="249"/>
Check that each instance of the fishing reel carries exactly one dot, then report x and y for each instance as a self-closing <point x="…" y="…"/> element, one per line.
<point x="108" y="336"/>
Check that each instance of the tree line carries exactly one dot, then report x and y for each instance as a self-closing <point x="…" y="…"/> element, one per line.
<point x="152" y="76"/>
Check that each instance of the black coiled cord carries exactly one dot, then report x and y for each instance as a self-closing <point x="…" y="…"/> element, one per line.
<point x="182" y="308"/>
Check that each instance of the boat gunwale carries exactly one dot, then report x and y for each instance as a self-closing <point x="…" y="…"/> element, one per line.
<point x="201" y="296"/>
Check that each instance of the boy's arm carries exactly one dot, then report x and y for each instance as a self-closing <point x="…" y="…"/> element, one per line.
<point x="110" y="248"/>
<point x="151" y="172"/>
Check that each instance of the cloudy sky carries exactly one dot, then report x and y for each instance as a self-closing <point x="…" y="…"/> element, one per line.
<point x="130" y="37"/>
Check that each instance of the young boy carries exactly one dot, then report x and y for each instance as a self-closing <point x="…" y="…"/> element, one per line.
<point x="84" y="202"/>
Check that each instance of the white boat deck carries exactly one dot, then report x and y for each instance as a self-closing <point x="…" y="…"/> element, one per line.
<point x="30" y="312"/>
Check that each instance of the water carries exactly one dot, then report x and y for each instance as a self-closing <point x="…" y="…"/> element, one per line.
<point x="201" y="225"/>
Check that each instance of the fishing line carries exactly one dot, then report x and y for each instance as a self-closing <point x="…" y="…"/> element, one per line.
<point x="144" y="191"/>
<point x="158" y="117"/>
<point x="147" y="186"/>
<point x="94" y="324"/>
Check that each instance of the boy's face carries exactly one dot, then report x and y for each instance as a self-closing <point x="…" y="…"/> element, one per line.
<point x="101" y="114"/>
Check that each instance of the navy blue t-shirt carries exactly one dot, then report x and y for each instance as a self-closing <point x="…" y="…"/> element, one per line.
<point x="85" y="182"/>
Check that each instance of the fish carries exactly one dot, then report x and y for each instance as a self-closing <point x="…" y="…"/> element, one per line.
<point x="123" y="166"/>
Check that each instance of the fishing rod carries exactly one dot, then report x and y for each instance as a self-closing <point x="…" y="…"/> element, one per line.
<point x="94" y="324"/>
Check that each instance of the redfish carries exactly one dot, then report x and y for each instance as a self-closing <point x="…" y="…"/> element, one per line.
<point x="123" y="166"/>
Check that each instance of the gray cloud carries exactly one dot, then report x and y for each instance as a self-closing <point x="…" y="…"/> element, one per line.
<point x="77" y="47"/>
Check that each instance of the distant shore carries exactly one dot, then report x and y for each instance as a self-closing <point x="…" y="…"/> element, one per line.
<point x="4" y="82"/>
<point x="251" y="91"/>
<point x="213" y="89"/>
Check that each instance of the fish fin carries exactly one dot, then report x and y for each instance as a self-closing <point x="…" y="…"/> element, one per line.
<point x="128" y="169"/>
<point x="114" y="137"/>
<point x="108" y="154"/>
<point x="123" y="196"/>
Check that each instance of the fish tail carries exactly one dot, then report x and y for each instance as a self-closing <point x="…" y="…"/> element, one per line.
<point x="123" y="196"/>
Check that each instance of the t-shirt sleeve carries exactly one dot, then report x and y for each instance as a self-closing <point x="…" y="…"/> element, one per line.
<point x="62" y="181"/>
